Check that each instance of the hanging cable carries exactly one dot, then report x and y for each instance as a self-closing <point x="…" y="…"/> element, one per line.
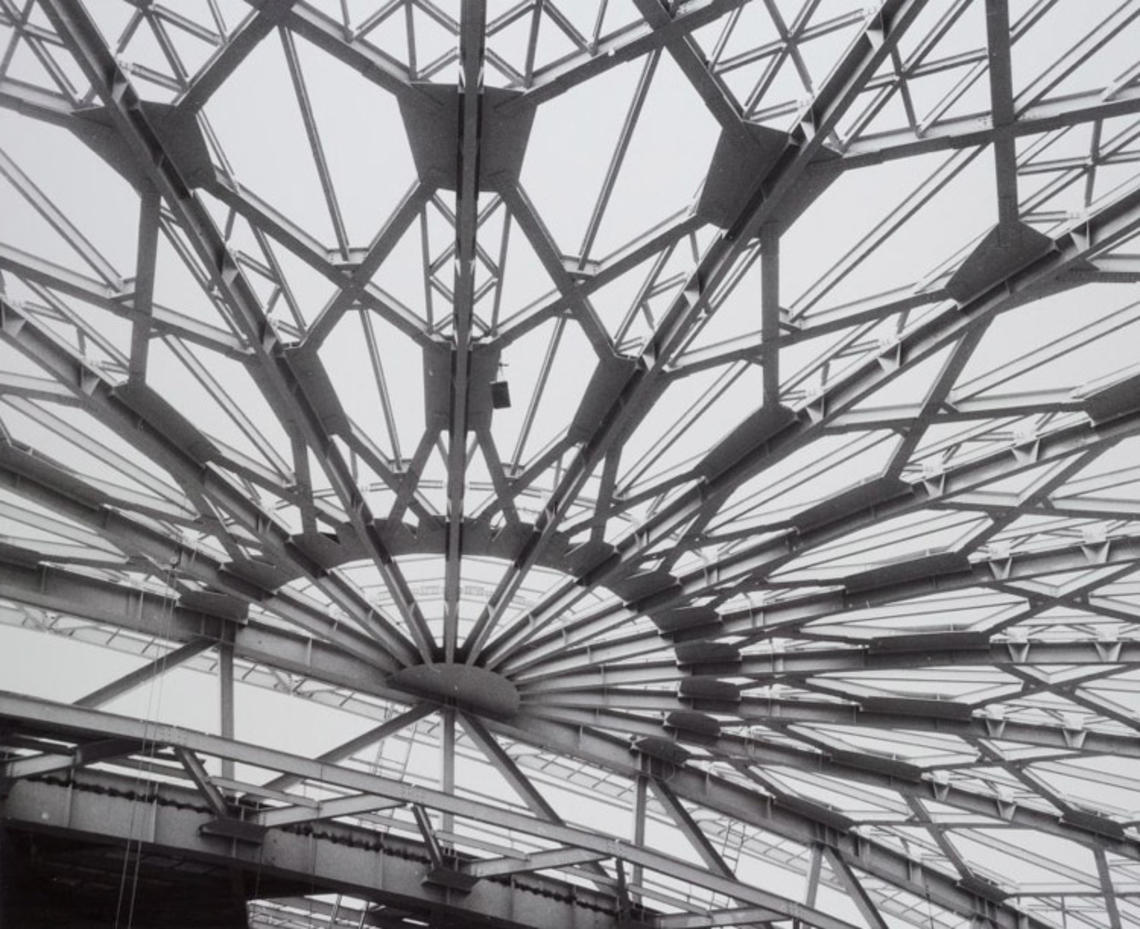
<point x="149" y="720"/>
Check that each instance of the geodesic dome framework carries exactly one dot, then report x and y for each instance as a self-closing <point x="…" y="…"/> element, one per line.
<point x="565" y="465"/>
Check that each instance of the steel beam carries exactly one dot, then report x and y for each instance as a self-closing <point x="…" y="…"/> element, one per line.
<point x="624" y="45"/>
<point x="473" y="23"/>
<point x="333" y="858"/>
<point x="129" y="608"/>
<point x="278" y="379"/>
<point x="768" y="555"/>
<point x="173" y="442"/>
<point x="978" y="129"/>
<point x="147" y="672"/>
<point x="1114" y="223"/>
<point x="231" y="53"/>
<point x="85" y="753"/>
<point x="855" y="890"/>
<point x="586" y="679"/>
<point x="40" y="480"/>
<point x="353" y="805"/>
<point x="858" y="64"/>
<point x="536" y="861"/>
<point x="44" y="715"/>
<point x="740" y="803"/>
<point x="689" y="828"/>
<point x="368" y="738"/>
<point x="831" y="758"/>
<point x="202" y="780"/>
<point x="926" y="652"/>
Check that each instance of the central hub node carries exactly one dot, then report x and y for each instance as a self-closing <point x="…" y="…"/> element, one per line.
<point x="462" y="686"/>
<point x="482" y="370"/>
<point x="433" y="120"/>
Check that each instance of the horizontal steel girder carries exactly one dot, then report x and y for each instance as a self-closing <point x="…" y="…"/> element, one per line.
<point x="42" y="715"/>
<point x="694" y="786"/>
<point x="59" y="590"/>
<point x="326" y="858"/>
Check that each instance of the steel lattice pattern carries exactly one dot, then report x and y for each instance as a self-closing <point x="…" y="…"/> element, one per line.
<point x="676" y="463"/>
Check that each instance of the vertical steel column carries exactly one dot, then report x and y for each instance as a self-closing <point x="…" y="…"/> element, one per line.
<point x="447" y="747"/>
<point x="226" y="699"/>
<point x="770" y="311"/>
<point x="640" y="795"/>
<point x="472" y="24"/>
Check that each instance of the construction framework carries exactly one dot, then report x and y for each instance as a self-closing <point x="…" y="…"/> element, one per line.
<point x="705" y="494"/>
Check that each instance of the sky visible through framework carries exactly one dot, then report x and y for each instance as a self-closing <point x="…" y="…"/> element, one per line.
<point x="933" y="502"/>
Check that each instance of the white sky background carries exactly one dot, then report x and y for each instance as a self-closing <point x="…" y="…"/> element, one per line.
<point x="1070" y="340"/>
